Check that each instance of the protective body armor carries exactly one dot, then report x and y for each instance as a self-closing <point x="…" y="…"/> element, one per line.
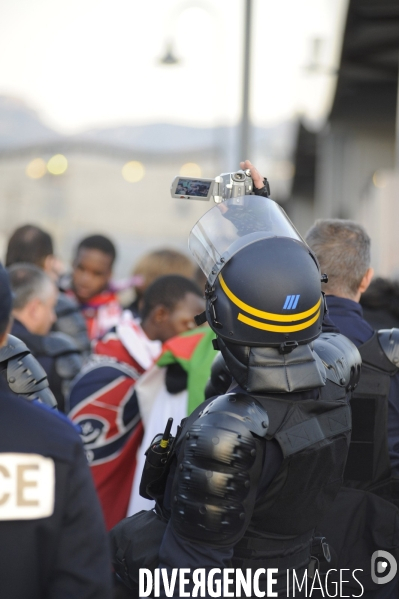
<point x="216" y="494"/>
<point x="365" y="516"/>
<point x="25" y="376"/>
<point x="368" y="466"/>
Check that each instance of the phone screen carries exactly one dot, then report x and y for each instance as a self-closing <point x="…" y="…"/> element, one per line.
<point x="193" y="187"/>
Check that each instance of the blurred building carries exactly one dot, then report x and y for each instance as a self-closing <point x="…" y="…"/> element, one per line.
<point x="117" y="181"/>
<point x="347" y="168"/>
<point x="73" y="190"/>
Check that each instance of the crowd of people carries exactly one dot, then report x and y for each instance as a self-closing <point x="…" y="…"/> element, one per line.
<point x="118" y="373"/>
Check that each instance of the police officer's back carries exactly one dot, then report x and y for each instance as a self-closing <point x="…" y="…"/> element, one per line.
<point x="257" y="468"/>
<point x="52" y="539"/>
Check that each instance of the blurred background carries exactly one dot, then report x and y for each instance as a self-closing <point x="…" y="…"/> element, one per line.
<point x="102" y="103"/>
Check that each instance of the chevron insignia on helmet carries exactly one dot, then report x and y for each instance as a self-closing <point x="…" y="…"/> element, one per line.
<point x="291" y="302"/>
<point x="308" y="317"/>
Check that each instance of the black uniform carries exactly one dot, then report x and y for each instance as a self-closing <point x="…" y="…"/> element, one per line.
<point x="53" y="543"/>
<point x="256" y="472"/>
<point x="365" y="514"/>
<point x="256" y="469"/>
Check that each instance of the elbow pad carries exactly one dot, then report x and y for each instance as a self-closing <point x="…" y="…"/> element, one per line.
<point x="219" y="466"/>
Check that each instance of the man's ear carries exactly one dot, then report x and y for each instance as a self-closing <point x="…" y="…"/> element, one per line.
<point x="31" y="307"/>
<point x="29" y="313"/>
<point x="160" y="313"/>
<point x="366" y="280"/>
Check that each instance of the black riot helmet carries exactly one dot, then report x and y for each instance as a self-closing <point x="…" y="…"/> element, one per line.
<point x="263" y="281"/>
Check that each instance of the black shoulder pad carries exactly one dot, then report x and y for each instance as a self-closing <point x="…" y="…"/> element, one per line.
<point x="374" y="355"/>
<point x="25" y="376"/>
<point x="220" y="379"/>
<point x="341" y="359"/>
<point x="219" y="466"/>
<point x="14" y="347"/>
<point x="59" y="344"/>
<point x="389" y="342"/>
<point x="242" y="407"/>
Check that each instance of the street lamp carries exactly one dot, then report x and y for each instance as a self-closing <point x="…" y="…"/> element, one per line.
<point x="169" y="58"/>
<point x="245" y="145"/>
<point x="245" y="142"/>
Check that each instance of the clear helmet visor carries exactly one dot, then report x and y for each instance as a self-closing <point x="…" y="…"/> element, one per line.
<point x="234" y="224"/>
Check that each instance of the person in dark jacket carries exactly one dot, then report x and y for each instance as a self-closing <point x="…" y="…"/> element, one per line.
<point x="35" y="297"/>
<point x="343" y="250"/>
<point x="52" y="537"/>
<point x="370" y="496"/>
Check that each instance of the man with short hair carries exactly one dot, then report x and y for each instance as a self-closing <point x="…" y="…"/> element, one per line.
<point x="343" y="250"/>
<point x="31" y="244"/>
<point x="365" y="515"/>
<point x="35" y="297"/>
<point x="91" y="275"/>
<point x="169" y="306"/>
<point x="52" y="538"/>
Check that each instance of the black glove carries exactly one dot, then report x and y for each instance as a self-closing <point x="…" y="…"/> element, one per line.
<point x="263" y="191"/>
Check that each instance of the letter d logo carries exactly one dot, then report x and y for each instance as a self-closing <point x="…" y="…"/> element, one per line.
<point x="384" y="563"/>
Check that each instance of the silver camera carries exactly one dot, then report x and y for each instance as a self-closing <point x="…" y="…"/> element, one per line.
<point x="223" y="187"/>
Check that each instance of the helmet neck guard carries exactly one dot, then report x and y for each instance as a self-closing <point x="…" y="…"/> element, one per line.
<point x="263" y="370"/>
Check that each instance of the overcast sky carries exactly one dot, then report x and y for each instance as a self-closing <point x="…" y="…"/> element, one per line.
<point x="88" y="63"/>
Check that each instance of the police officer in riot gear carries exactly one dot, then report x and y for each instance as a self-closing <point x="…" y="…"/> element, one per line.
<point x="254" y="470"/>
<point x="52" y="538"/>
<point x="365" y="514"/>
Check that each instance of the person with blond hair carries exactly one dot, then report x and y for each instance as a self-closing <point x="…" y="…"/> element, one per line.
<point x="159" y="263"/>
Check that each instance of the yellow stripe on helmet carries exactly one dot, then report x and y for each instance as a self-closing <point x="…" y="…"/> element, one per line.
<point x="268" y="315"/>
<point x="277" y="328"/>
